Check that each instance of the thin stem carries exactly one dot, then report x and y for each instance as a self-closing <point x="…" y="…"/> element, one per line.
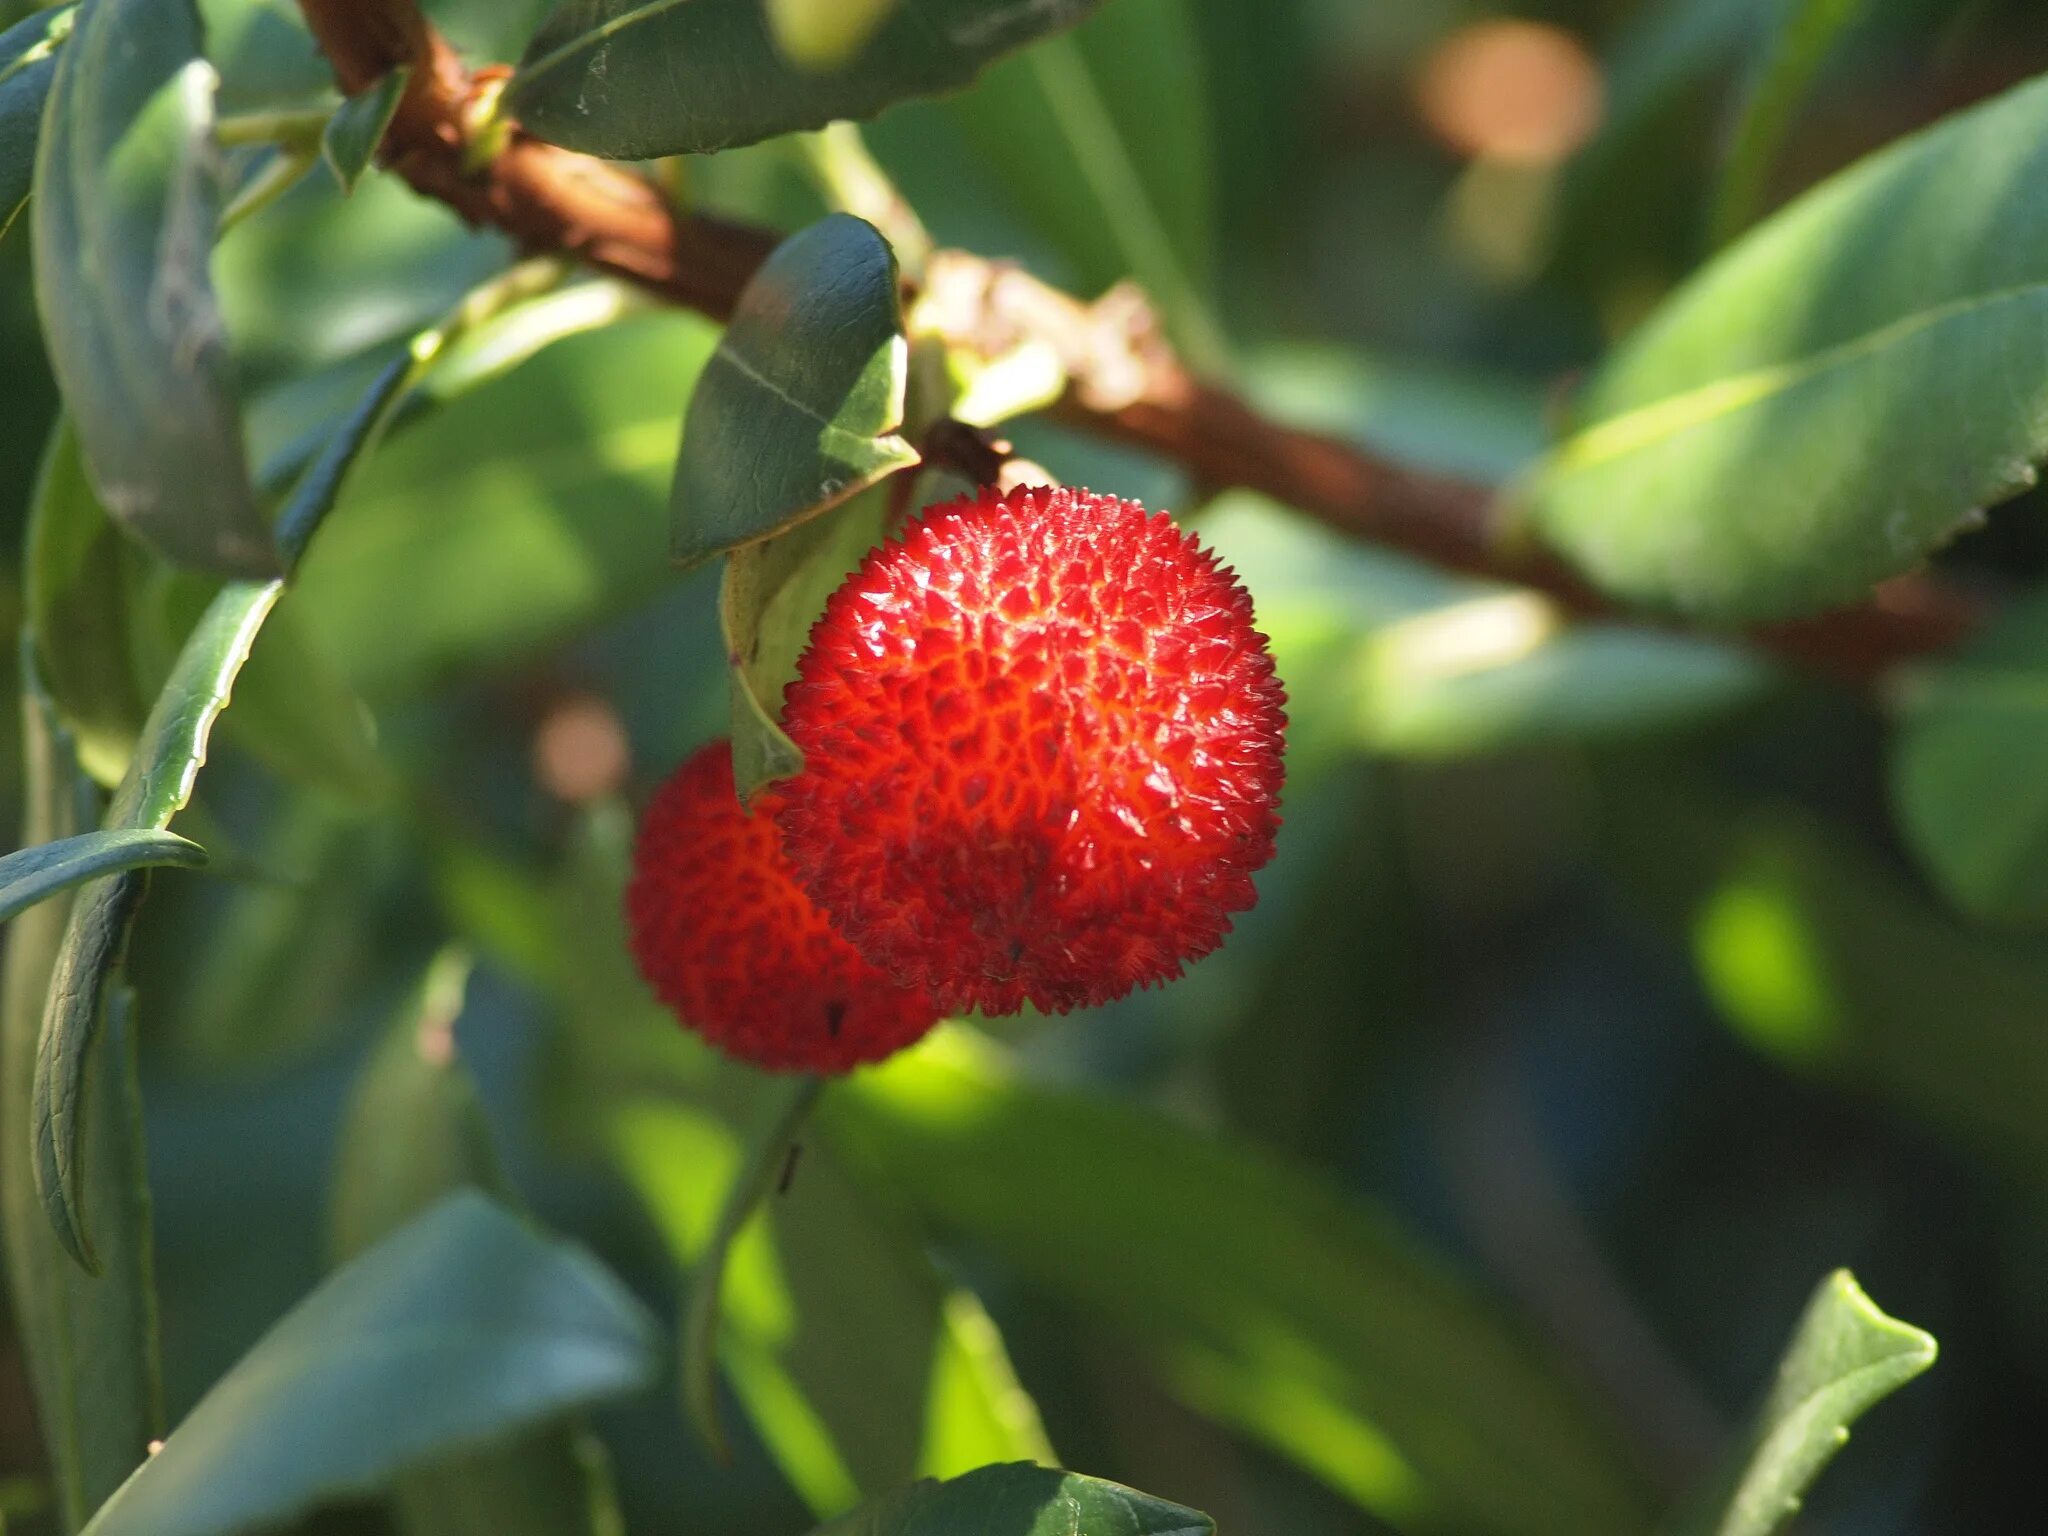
<point x="756" y="1179"/>
<point x="277" y="176"/>
<point x="288" y="130"/>
<point x="853" y="181"/>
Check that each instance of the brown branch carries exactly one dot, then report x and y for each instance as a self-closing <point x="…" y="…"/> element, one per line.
<point x="1126" y="384"/>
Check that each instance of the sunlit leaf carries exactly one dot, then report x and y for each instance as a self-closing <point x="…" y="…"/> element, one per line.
<point x="1838" y="394"/>
<point x="1333" y="1331"/>
<point x="1845" y="1357"/>
<point x="859" y="1365"/>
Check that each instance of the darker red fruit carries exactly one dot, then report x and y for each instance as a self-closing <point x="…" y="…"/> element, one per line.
<point x="1043" y="752"/>
<point x="727" y="939"/>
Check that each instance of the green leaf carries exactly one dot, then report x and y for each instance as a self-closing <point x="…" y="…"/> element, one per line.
<point x="1836" y="395"/>
<point x="491" y="556"/>
<point x="157" y="786"/>
<point x="772" y="593"/>
<point x="90" y="1342"/>
<point x="128" y="197"/>
<point x="1965" y="768"/>
<point x="860" y="1366"/>
<point x="1845" y="1357"/>
<point x="1315" y="1326"/>
<point x="1386" y="656"/>
<point x="1102" y="137"/>
<point x="463" y="1326"/>
<point x="634" y="79"/>
<point x="1820" y="957"/>
<point x="823" y="35"/>
<point x="349" y="142"/>
<point x="28" y="62"/>
<point x="77" y="592"/>
<point x="798" y="408"/>
<point x="1021" y="1501"/>
<point x="31" y="875"/>
<point x="414" y="1132"/>
<point x="766" y="1162"/>
<point x="1798" y="44"/>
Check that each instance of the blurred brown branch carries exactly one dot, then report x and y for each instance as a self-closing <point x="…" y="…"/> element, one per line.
<point x="1127" y="385"/>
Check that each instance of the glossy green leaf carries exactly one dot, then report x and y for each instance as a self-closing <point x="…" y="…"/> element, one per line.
<point x="1972" y="734"/>
<point x="772" y="593"/>
<point x="413" y="1133"/>
<point x="90" y="1341"/>
<point x="28" y="61"/>
<point x="1102" y="138"/>
<point x="1845" y="1357"/>
<point x="128" y="197"/>
<point x="1799" y="43"/>
<point x="633" y="79"/>
<point x="823" y="35"/>
<point x="859" y="1365"/>
<point x="492" y="555"/>
<point x="1836" y="395"/>
<point x="35" y="874"/>
<point x="462" y="1326"/>
<point x="1316" y="1327"/>
<point x="1021" y="1501"/>
<point x="77" y="592"/>
<point x="349" y="142"/>
<point x="157" y="786"/>
<point x="799" y="406"/>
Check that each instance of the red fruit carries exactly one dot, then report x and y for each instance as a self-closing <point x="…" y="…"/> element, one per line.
<point x="1043" y="750"/>
<point x="727" y="939"/>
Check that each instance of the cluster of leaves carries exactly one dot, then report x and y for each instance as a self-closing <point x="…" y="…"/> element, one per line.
<point x="422" y="464"/>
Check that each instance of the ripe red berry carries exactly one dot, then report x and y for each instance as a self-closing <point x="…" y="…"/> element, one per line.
<point x="727" y="939"/>
<point x="1043" y="752"/>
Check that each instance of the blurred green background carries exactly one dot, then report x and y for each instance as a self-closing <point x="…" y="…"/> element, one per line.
<point x="1592" y="955"/>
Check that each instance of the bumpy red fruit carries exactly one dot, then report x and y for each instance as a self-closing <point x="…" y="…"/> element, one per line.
<point x="1043" y="748"/>
<point x="727" y="939"/>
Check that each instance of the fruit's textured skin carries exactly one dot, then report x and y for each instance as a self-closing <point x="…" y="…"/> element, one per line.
<point x="727" y="939"/>
<point x="1043" y="752"/>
